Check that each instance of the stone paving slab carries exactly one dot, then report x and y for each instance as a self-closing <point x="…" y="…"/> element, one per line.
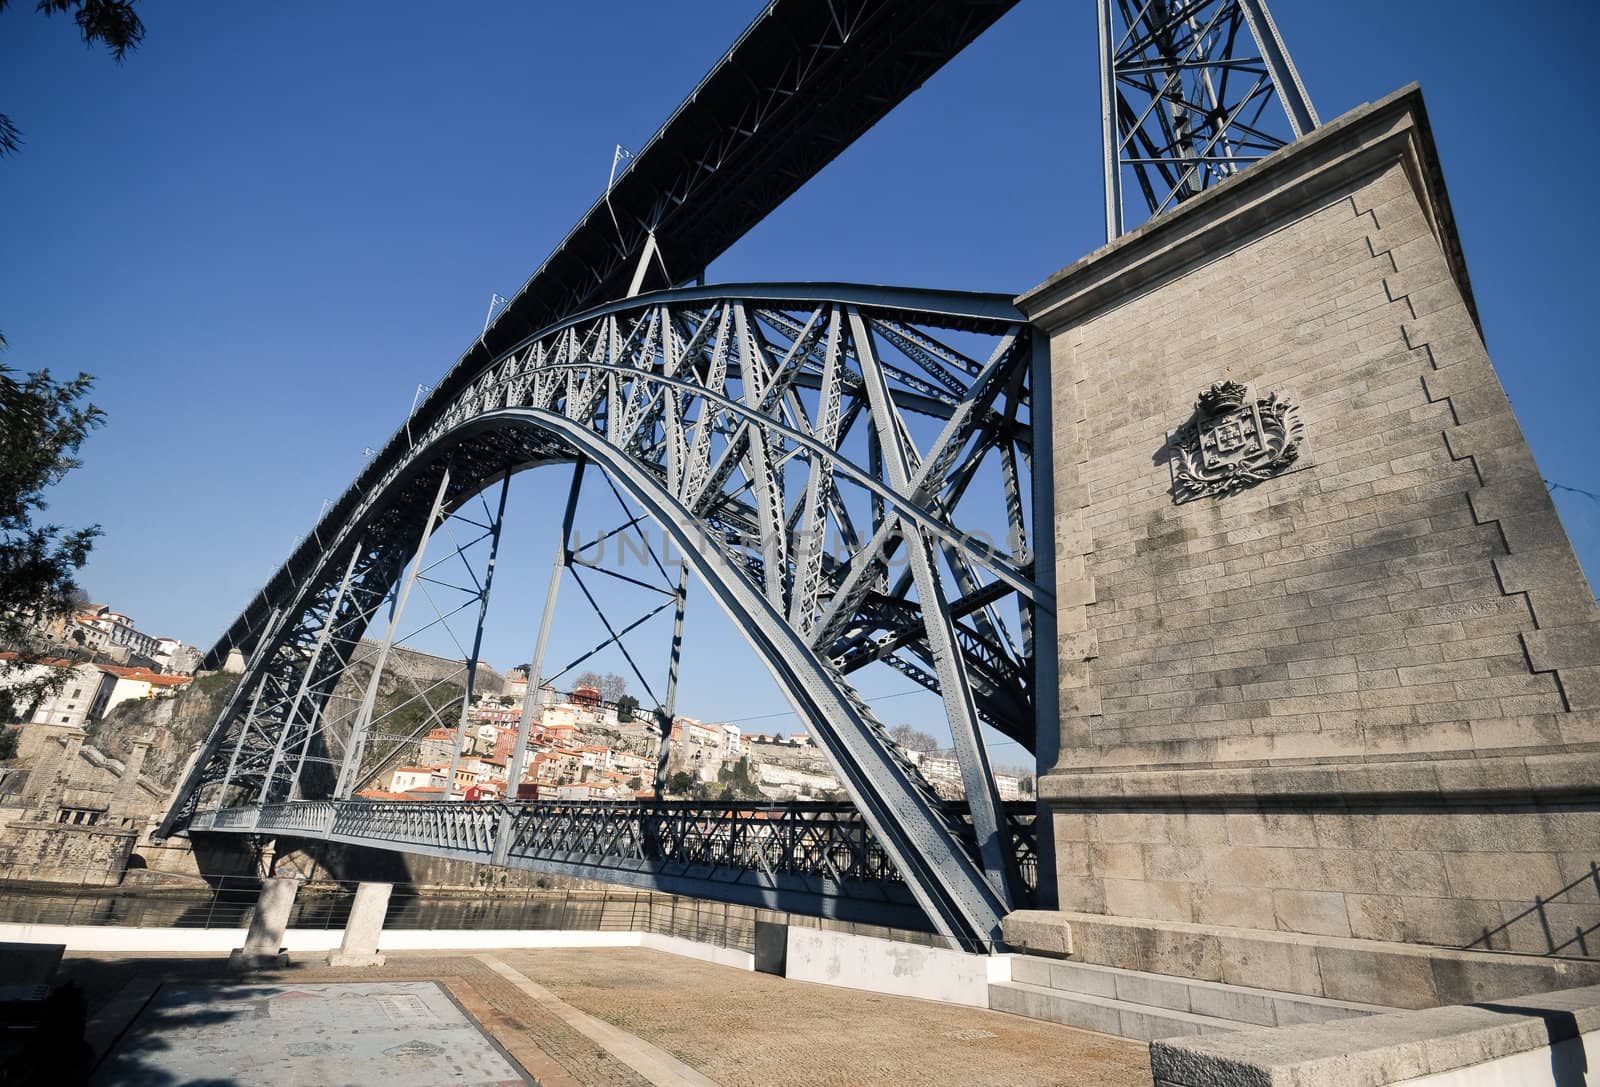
<point x="398" y="1033"/>
<point x="735" y="1028"/>
<point x="741" y="1028"/>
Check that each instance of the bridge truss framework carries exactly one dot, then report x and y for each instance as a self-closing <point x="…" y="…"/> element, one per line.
<point x="814" y="452"/>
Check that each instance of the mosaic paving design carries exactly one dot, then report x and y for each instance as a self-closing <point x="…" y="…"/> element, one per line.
<point x="400" y="1034"/>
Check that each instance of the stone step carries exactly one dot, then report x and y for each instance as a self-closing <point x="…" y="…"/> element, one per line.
<point x="1238" y="1004"/>
<point x="1123" y="1018"/>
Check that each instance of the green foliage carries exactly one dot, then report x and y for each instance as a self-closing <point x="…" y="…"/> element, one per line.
<point x="627" y="706"/>
<point x="8" y="743"/>
<point x="682" y="783"/>
<point x="737" y="782"/>
<point x="216" y="681"/>
<point x="42" y="424"/>
<point x="402" y="711"/>
<point x="111" y="22"/>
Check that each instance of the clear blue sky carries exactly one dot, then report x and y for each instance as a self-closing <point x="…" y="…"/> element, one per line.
<point x="271" y="222"/>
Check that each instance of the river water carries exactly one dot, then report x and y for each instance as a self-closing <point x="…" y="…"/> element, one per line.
<point x="328" y="906"/>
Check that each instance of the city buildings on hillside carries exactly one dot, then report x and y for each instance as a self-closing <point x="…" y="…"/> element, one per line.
<point x="104" y="629"/>
<point x="579" y="749"/>
<point x="97" y="629"/>
<point x="89" y="691"/>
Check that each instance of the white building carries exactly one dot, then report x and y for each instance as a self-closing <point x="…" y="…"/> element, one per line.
<point x="134" y="683"/>
<point x="76" y="704"/>
<point x="591" y="790"/>
<point x="175" y="658"/>
<point x="559" y="715"/>
<point x="407" y="778"/>
<point x="732" y="741"/>
<point x="597" y="756"/>
<point x="628" y="763"/>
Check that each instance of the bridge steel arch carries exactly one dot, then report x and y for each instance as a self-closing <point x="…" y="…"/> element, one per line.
<point x="799" y="444"/>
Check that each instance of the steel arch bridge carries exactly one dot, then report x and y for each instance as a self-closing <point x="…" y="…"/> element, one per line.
<point x="834" y="463"/>
<point x="770" y="431"/>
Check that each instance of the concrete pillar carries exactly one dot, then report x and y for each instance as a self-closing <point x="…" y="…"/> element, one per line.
<point x="361" y="932"/>
<point x="263" y="944"/>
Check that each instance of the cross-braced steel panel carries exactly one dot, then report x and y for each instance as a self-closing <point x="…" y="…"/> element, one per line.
<point x="814" y="857"/>
<point x="1185" y="102"/>
<point x="847" y="469"/>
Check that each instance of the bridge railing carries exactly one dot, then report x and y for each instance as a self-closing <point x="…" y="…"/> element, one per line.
<point x="805" y="838"/>
<point x="234" y="819"/>
<point x="463" y="827"/>
<point x="314" y="818"/>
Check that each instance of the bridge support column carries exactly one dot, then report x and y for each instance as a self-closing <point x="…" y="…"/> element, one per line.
<point x="263" y="943"/>
<point x="505" y="827"/>
<point x="519" y="753"/>
<point x="669" y="708"/>
<point x="1330" y="670"/>
<point x="356" y="745"/>
<point x="477" y="642"/>
<point x="362" y="931"/>
<point x="238" y="746"/>
<point x="264" y="796"/>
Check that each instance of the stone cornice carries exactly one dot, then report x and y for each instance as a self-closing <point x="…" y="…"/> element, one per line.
<point x="1277" y="190"/>
<point x="1540" y="779"/>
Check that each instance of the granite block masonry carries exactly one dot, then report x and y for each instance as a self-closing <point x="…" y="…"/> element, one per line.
<point x="1357" y="695"/>
<point x="1536" y="1041"/>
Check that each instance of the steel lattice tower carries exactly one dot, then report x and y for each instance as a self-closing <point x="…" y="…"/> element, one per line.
<point x="1184" y="105"/>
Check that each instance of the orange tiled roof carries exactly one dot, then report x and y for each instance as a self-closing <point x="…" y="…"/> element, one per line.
<point x="144" y="675"/>
<point x="53" y="662"/>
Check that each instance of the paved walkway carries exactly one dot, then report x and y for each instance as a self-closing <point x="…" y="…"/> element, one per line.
<point x="599" y="1018"/>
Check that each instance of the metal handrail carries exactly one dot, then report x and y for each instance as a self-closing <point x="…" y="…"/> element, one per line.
<point x="827" y="839"/>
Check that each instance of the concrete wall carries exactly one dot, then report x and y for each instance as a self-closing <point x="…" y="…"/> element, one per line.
<point x="1395" y="975"/>
<point x="108" y="938"/>
<point x="1532" y="1041"/>
<point x="1356" y="699"/>
<point x="888" y="966"/>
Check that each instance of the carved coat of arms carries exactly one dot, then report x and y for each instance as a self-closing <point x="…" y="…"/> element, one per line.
<point x="1234" y="440"/>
